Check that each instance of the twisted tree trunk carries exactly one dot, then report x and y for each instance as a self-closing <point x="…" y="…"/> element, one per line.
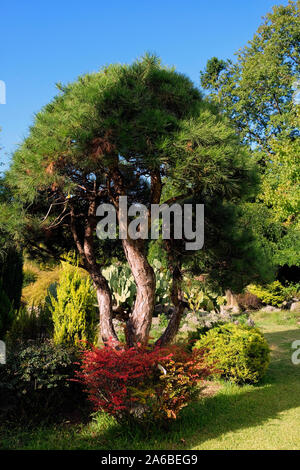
<point x="139" y="323"/>
<point x="86" y="251"/>
<point x="179" y="305"/>
<point x="104" y="299"/>
<point x="140" y="319"/>
<point x="175" y="265"/>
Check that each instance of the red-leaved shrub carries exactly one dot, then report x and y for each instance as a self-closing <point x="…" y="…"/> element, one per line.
<point x="141" y="383"/>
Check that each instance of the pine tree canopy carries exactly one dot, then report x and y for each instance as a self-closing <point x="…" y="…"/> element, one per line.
<point x="144" y="121"/>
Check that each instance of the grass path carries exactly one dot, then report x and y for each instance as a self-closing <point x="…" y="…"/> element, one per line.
<point x="250" y="417"/>
<point x="260" y="417"/>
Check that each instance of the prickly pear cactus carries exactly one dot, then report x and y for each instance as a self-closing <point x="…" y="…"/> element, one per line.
<point x="123" y="288"/>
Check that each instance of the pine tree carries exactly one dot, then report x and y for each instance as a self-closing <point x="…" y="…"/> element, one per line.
<point x="128" y="130"/>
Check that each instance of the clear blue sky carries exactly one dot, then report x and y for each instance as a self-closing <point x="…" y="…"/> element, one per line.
<point x="44" y="42"/>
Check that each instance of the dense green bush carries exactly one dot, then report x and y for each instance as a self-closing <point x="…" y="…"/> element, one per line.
<point x="275" y="293"/>
<point x="239" y="351"/>
<point x="35" y="381"/>
<point x="271" y="294"/>
<point x="292" y="290"/>
<point x="74" y="308"/>
<point x="194" y="325"/>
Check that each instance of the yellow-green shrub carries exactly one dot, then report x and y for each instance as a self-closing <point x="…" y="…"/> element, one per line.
<point x="74" y="309"/>
<point x="240" y="352"/>
<point x="271" y="294"/>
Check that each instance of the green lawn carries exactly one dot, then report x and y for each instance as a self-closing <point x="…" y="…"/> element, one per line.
<point x="249" y="417"/>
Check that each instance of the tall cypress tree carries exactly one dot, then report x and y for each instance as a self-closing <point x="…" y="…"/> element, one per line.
<point x="11" y="259"/>
<point x="11" y="275"/>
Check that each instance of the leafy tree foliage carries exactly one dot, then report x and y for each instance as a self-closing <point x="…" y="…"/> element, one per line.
<point x="258" y="94"/>
<point x="257" y="91"/>
<point x="281" y="182"/>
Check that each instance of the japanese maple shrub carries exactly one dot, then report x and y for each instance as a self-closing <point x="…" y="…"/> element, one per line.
<point x="140" y="383"/>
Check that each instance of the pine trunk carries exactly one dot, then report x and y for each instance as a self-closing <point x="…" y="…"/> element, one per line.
<point x="179" y="305"/>
<point x="86" y="250"/>
<point x="139" y="323"/>
<point x="105" y="308"/>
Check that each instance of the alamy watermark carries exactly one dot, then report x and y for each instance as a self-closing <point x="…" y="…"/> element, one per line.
<point x="296" y="93"/>
<point x="180" y="222"/>
<point x="2" y="92"/>
<point x="296" y="354"/>
<point x="2" y="352"/>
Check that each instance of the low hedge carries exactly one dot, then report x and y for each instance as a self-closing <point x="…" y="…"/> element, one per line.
<point x="35" y="381"/>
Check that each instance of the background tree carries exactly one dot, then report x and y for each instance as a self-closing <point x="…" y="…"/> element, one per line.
<point x="257" y="93"/>
<point x="257" y="90"/>
<point x="11" y="266"/>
